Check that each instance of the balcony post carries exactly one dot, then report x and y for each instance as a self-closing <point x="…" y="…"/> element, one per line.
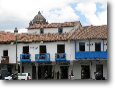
<point x="89" y="45"/>
<point x="53" y="64"/>
<point x="20" y="67"/>
<point x="103" y="44"/>
<point x="90" y="70"/>
<point x="36" y="64"/>
<point x="75" y="47"/>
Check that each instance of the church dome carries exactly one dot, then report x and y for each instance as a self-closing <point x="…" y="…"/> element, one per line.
<point x="38" y="19"/>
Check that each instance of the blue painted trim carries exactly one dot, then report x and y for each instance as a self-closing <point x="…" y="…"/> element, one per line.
<point x="89" y="45"/>
<point x="103" y="44"/>
<point x="75" y="47"/>
<point x="91" y="54"/>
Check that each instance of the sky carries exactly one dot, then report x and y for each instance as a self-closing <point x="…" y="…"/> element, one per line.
<point x="18" y="13"/>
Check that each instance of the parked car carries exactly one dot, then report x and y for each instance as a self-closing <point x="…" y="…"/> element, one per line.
<point x="21" y="76"/>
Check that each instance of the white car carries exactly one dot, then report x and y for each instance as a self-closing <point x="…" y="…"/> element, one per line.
<point x="21" y="76"/>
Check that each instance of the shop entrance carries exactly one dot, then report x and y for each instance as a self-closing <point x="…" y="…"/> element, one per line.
<point x="99" y="68"/>
<point x="41" y="71"/>
<point x="64" y="72"/>
<point x="85" y="72"/>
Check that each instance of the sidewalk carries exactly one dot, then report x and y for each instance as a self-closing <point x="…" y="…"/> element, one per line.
<point x="64" y="79"/>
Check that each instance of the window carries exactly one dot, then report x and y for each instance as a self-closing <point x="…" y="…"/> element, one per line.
<point x="41" y="31"/>
<point x="60" y="30"/>
<point x="81" y="46"/>
<point x="98" y="46"/>
<point x="5" y="52"/>
<point x="60" y="48"/>
<point x="43" y="49"/>
<point x="25" y="49"/>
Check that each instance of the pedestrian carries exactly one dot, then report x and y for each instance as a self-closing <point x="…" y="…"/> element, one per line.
<point x="46" y="75"/>
<point x="97" y="76"/>
<point x="58" y="75"/>
<point x="0" y="76"/>
<point x="14" y="77"/>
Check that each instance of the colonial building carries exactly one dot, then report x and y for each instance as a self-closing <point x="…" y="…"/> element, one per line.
<point x="68" y="47"/>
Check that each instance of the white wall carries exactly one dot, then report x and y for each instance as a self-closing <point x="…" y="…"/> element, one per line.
<point x="51" y="47"/>
<point x="49" y="30"/>
<point x="11" y="52"/>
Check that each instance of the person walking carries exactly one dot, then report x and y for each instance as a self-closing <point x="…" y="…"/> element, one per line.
<point x="0" y="76"/>
<point x="58" y="75"/>
<point x="46" y="75"/>
<point x="14" y="76"/>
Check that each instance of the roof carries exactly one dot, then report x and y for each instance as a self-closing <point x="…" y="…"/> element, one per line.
<point x="86" y="32"/>
<point x="90" y="32"/>
<point x="53" y="25"/>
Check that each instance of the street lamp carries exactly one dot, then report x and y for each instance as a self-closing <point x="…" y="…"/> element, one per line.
<point x="16" y="71"/>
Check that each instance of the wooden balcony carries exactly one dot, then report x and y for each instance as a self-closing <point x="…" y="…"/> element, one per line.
<point x="25" y="58"/>
<point x="91" y="55"/>
<point x="5" y="59"/>
<point x="42" y="57"/>
<point x="60" y="56"/>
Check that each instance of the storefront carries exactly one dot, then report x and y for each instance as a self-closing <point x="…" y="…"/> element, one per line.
<point x="64" y="72"/>
<point x="41" y="71"/>
<point x="85" y="71"/>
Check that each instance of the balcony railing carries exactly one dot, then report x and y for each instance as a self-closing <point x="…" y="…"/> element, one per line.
<point x="25" y="58"/>
<point x="42" y="57"/>
<point x="60" y="56"/>
<point x="91" y="54"/>
<point x="5" y="59"/>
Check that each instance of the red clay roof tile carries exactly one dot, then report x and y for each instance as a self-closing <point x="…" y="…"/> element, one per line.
<point x="86" y="32"/>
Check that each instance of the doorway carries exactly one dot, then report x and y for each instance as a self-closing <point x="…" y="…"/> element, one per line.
<point x="85" y="72"/>
<point x="48" y="68"/>
<point x="64" y="72"/>
<point x="99" y="68"/>
<point x="41" y="71"/>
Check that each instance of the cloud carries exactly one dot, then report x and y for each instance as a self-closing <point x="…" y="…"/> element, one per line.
<point x="64" y="15"/>
<point x="18" y="13"/>
<point x="19" y="30"/>
<point x="86" y="8"/>
<point x="89" y="9"/>
<point x="104" y="6"/>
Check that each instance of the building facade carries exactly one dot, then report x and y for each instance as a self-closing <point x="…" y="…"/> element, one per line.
<point x="70" y="48"/>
